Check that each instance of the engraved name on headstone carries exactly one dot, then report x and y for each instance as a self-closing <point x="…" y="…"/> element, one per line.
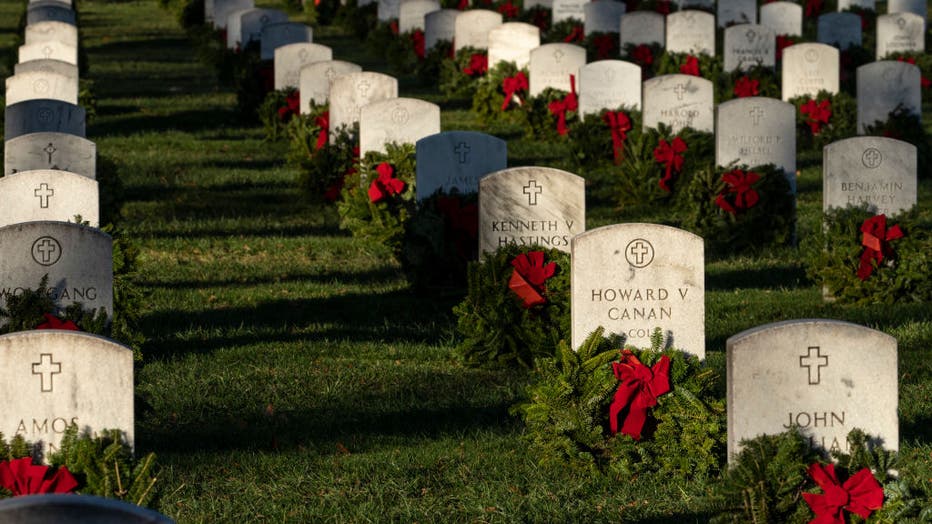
<point x="679" y="101"/>
<point x="748" y="45"/>
<point x="567" y="10"/>
<point x="754" y="131"/>
<point x="608" y="84"/>
<point x="900" y="33"/>
<point x="552" y="64"/>
<point x="809" y="68"/>
<point x="879" y="171"/>
<point x="457" y="160"/>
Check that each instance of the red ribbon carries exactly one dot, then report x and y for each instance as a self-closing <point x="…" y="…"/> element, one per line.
<point x="691" y="66"/>
<point x="642" y="55"/>
<point x="508" y="10"/>
<point x="386" y="184"/>
<point x="813" y="8"/>
<point x="292" y="106"/>
<point x="576" y="34"/>
<point x="861" y="494"/>
<point x="639" y="388"/>
<point x="511" y="85"/>
<point x="783" y="41"/>
<point x="478" y="65"/>
<point x="323" y="122"/>
<point x="604" y="46"/>
<point x="528" y="278"/>
<point x="22" y="477"/>
<point x="876" y="243"/>
<point x="619" y="124"/>
<point x="818" y="114"/>
<point x="669" y="155"/>
<point x="417" y="38"/>
<point x="559" y="108"/>
<point x="53" y="322"/>
<point x="746" y="86"/>
<point x="738" y="183"/>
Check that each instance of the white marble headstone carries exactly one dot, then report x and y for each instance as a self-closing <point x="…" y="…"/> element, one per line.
<point x="48" y="194"/>
<point x="608" y="84"/>
<point x="900" y="33"/>
<point x="754" y="131"/>
<point x="290" y="59"/>
<point x="351" y="92"/>
<point x="882" y="87"/>
<point x="53" y="378"/>
<point x="552" y="64"/>
<point x="439" y="25"/>
<point x="315" y="80"/>
<point x="633" y="278"/>
<point x="879" y="171"/>
<point x="567" y="10"/>
<point x="48" y="51"/>
<point x="388" y="10"/>
<point x="396" y="120"/>
<point x="603" y="16"/>
<point x="457" y="160"/>
<point x="691" y="32"/>
<point x="412" y="13"/>
<point x="223" y="9"/>
<point x="281" y="34"/>
<point x="863" y="4"/>
<point x="825" y="377"/>
<point x="513" y="42"/>
<point x="471" y="28"/>
<point x="50" y="151"/>
<point x="50" y="66"/>
<point x="731" y="12"/>
<point x="785" y="18"/>
<point x="809" y="68"/>
<point x="246" y="26"/>
<point x="36" y="116"/>
<point x="642" y="27"/>
<point x="51" y="32"/>
<point x="529" y="206"/>
<point x="918" y="7"/>
<point x="748" y="45"/>
<point x="679" y="101"/>
<point x="37" y="85"/>
<point x="842" y="30"/>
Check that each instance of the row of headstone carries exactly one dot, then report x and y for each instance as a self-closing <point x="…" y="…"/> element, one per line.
<point x="55" y="378"/>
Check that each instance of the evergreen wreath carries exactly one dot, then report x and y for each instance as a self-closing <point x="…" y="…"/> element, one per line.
<point x="440" y="239"/>
<point x="277" y="111"/>
<point x="710" y="67"/>
<point x="489" y="97"/>
<point x="459" y="75"/>
<point x="813" y="133"/>
<point x="591" y="139"/>
<point x="832" y="254"/>
<point x="382" y="217"/>
<point x="755" y="81"/>
<point x="321" y="172"/>
<point x="430" y="69"/>
<point x="906" y="126"/>
<point x="541" y="124"/>
<point x="496" y="328"/>
<point x="567" y="413"/>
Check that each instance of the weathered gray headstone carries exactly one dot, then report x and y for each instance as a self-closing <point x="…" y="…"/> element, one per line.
<point x="50" y="151"/>
<point x="642" y="27"/>
<point x="679" y="101"/>
<point x="877" y="170"/>
<point x="691" y="32"/>
<point x="52" y="32"/>
<point x="882" y="87"/>
<point x="396" y="120"/>
<point x="244" y="26"/>
<point x="918" y="7"/>
<point x="281" y="34"/>
<point x="36" y="116"/>
<point x="223" y="9"/>
<point x="842" y="30"/>
<point x="608" y="84"/>
<point x="567" y="10"/>
<point x="48" y="51"/>
<point x="315" y="81"/>
<point x="77" y="259"/>
<point x="633" y="278"/>
<point x="748" y="45"/>
<point x="55" y="378"/>
<point x="457" y="160"/>
<point x="48" y="194"/>
<point x="731" y="12"/>
<point x="471" y="28"/>
<point x="863" y="4"/>
<point x="351" y="92"/>
<point x="528" y="206"/>
<point x="552" y="64"/>
<point x="49" y="12"/>
<point x="825" y="377"/>
<point x="900" y="33"/>
<point x="290" y="59"/>
<point x="755" y="131"/>
<point x="388" y="10"/>
<point x="49" y="66"/>
<point x="530" y="4"/>
<point x="705" y="5"/>
<point x="785" y="18"/>
<point x="513" y="42"/>
<point x="809" y="68"/>
<point x="412" y="13"/>
<point x="37" y="85"/>
<point x="603" y="16"/>
<point x="76" y="509"/>
<point x="439" y="25"/>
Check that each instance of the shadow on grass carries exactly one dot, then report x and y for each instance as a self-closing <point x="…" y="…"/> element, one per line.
<point x="170" y="50"/>
<point x="186" y="121"/>
<point x="369" y="277"/>
<point x="919" y="429"/>
<point x="773" y="277"/>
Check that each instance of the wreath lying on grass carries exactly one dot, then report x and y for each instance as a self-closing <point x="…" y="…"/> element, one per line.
<point x="588" y="409"/>
<point x="501" y="327"/>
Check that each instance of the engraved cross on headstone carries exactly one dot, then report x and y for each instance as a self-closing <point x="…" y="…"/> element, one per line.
<point x="362" y="88"/>
<point x="679" y="90"/>
<point x="814" y="363"/>
<point x="639" y="251"/>
<point x="532" y="190"/>
<point x="44" y="193"/>
<point x="50" y="150"/>
<point x="462" y="149"/>
<point x="46" y="368"/>
<point x="558" y="55"/>
<point x="756" y="113"/>
<point x="330" y="73"/>
<point x="46" y="249"/>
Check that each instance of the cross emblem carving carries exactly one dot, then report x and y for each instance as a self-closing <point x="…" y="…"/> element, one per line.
<point x="44" y="193"/>
<point x="532" y="190"/>
<point x="462" y="149"/>
<point x="363" y="88"/>
<point x="46" y="368"/>
<point x="558" y="55"/>
<point x="814" y="363"/>
<point x="639" y="253"/>
<point x="50" y="149"/>
<point x="756" y="113"/>
<point x="679" y="90"/>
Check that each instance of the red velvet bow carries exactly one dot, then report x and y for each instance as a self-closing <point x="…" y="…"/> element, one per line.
<point x="508" y="10"/>
<point x="639" y="388"/>
<point x="53" y="322"/>
<point x="746" y="86"/>
<point x="861" y="494"/>
<point x="22" y="477"/>
<point x="670" y="156"/>
<point x="576" y="34"/>
<point x="478" y="65"/>
<point x="738" y="183"/>
<point x="386" y="184"/>
<point x="691" y="66"/>
<point x="642" y="55"/>
<point x="323" y="122"/>
<point x="604" y="46"/>
<point x="512" y="85"/>
<point x="559" y="108"/>
<point x="292" y="106"/>
<point x="417" y="38"/>
<point x="818" y="114"/>
<point x="528" y="277"/>
<point x="876" y="243"/>
<point x="619" y="124"/>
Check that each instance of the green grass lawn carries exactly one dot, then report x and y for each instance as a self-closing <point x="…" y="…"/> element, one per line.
<point x="292" y="376"/>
